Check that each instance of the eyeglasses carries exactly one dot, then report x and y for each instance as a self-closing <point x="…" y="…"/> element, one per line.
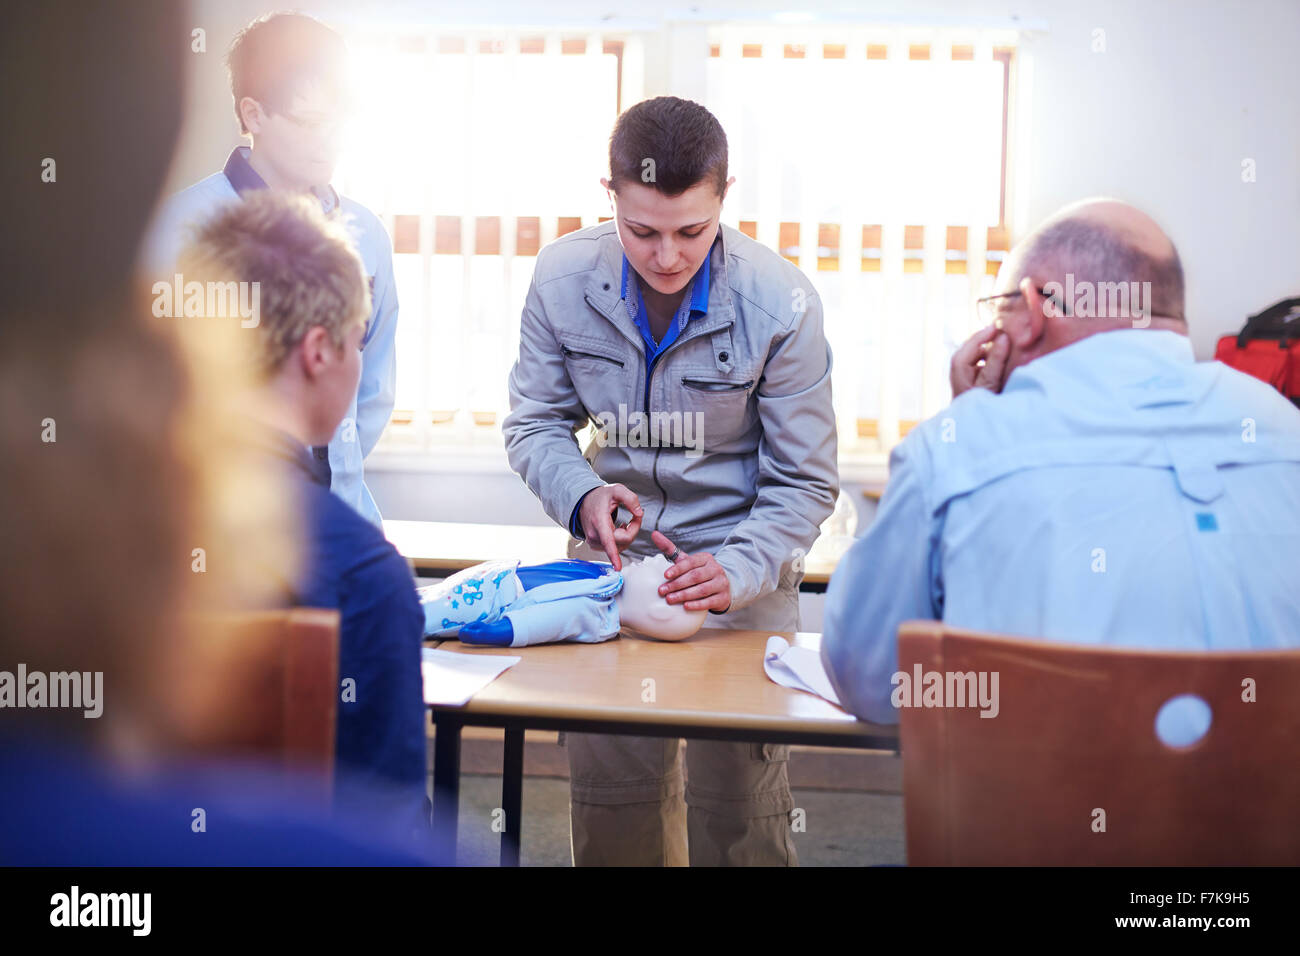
<point x="316" y="125"/>
<point x="986" y="307"/>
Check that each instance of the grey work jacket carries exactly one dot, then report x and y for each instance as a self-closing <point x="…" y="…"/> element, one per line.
<point x="753" y="474"/>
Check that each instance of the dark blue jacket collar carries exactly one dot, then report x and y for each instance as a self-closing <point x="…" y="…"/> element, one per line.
<point x="241" y="173"/>
<point x="244" y="178"/>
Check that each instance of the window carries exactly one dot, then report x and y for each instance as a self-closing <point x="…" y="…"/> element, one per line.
<point x="876" y="160"/>
<point x="467" y="147"/>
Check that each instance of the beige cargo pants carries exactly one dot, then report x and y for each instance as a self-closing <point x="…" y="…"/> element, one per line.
<point x="627" y="805"/>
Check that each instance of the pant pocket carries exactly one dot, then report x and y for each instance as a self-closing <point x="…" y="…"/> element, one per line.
<point x="770" y="753"/>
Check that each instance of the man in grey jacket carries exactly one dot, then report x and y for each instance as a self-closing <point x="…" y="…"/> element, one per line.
<point x="701" y="357"/>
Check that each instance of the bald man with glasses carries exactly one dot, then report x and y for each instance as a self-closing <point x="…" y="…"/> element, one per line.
<point x="1090" y="482"/>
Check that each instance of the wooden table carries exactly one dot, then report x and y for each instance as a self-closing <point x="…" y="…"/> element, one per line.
<point x="450" y="546"/>
<point x="711" y="686"/>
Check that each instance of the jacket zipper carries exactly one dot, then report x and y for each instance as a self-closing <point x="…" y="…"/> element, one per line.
<point x="654" y="471"/>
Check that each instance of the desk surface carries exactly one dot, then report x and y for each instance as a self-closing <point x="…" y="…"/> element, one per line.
<point x="713" y="679"/>
<point x="454" y="546"/>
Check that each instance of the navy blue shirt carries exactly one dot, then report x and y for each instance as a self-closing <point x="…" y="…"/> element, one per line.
<point x="64" y="807"/>
<point x="350" y="566"/>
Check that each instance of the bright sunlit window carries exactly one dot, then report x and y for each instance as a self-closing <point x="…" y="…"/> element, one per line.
<point x="876" y="165"/>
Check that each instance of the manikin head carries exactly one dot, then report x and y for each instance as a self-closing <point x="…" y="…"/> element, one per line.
<point x="642" y="609"/>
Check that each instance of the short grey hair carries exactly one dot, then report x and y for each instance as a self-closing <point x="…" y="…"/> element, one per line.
<point x="1098" y="253"/>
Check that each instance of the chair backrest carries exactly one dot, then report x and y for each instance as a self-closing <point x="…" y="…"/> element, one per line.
<point x="272" y="691"/>
<point x="1071" y="771"/>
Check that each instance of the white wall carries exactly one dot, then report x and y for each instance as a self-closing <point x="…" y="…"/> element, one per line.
<point x="1163" y="119"/>
<point x="1184" y="92"/>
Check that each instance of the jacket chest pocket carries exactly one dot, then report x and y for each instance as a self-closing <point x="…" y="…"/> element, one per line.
<point x="602" y="378"/>
<point x="584" y="357"/>
<point x="721" y="406"/>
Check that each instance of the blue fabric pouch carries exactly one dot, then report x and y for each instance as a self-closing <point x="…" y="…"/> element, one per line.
<point x="503" y="604"/>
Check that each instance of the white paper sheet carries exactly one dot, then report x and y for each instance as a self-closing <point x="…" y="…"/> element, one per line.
<point x="451" y="679"/>
<point x="797" y="667"/>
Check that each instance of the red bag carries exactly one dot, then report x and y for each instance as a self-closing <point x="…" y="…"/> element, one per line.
<point x="1268" y="348"/>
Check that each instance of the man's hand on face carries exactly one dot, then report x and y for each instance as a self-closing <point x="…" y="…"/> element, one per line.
<point x="597" y="520"/>
<point x="980" y="362"/>
<point x="696" y="581"/>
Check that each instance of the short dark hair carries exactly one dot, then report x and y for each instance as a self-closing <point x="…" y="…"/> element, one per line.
<point x="1097" y="253"/>
<point x="668" y="143"/>
<point x="273" y="54"/>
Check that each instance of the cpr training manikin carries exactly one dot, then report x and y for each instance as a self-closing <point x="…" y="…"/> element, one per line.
<point x="642" y="609"/>
<point x="508" y="605"/>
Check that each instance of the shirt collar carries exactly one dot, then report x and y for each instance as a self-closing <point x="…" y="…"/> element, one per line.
<point x="283" y="445"/>
<point x="700" y="291"/>
<point x="241" y="173"/>
<point x="1129" y="348"/>
<point x="1116" y="361"/>
<point x="245" y="178"/>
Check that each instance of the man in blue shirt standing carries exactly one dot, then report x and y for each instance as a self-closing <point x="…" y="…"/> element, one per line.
<point x="287" y="76"/>
<point x="1114" y="492"/>
<point x="306" y="357"/>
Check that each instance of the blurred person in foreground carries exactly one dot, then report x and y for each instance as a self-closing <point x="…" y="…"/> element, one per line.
<point x="118" y="462"/>
<point x="1090" y="482"/>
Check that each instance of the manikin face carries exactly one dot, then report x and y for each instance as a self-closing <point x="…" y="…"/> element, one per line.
<point x="641" y="608"/>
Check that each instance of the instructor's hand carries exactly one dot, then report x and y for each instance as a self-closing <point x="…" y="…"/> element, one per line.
<point x="980" y="362"/>
<point x="696" y="579"/>
<point x="597" y="519"/>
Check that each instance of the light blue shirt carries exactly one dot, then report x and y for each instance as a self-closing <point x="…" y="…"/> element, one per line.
<point x="1116" y="492"/>
<point x="372" y="406"/>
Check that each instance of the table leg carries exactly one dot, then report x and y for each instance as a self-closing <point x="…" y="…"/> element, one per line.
<point x="512" y="794"/>
<point x="446" y="785"/>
